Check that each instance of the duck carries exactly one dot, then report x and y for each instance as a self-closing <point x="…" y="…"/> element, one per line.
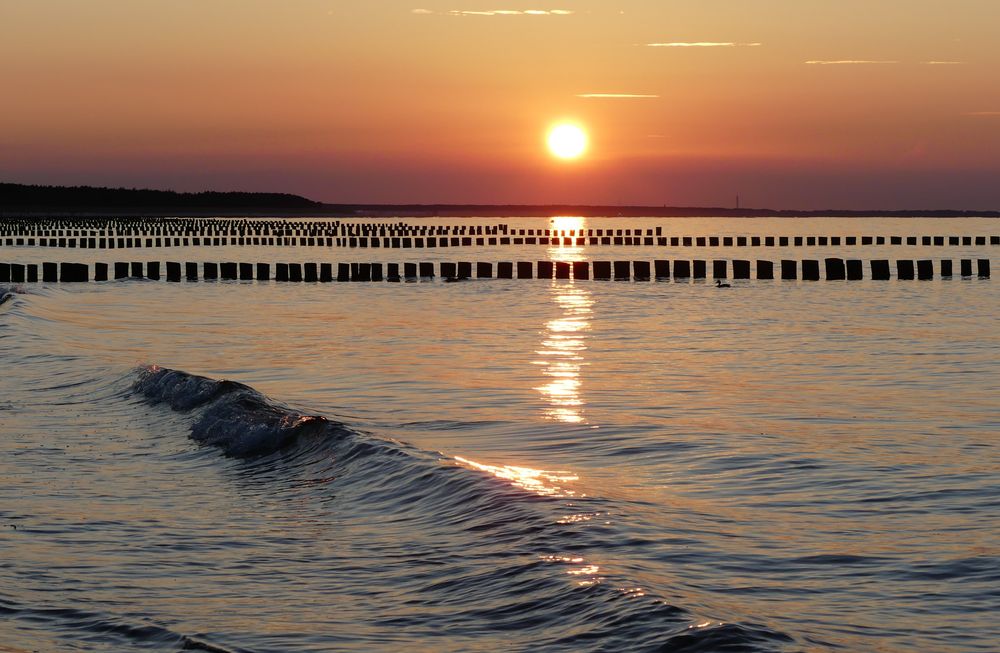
<point x="719" y="284"/>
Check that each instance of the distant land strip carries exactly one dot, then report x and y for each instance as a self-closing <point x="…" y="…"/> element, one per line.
<point x="81" y="201"/>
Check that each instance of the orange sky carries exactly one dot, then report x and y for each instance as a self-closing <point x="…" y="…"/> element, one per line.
<point x="448" y="101"/>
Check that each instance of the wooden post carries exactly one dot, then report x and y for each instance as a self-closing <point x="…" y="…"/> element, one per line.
<point x="835" y="270"/>
<point x="73" y="272"/>
<point x="880" y="270"/>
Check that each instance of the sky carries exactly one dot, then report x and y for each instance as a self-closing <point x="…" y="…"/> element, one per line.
<point x="882" y="104"/>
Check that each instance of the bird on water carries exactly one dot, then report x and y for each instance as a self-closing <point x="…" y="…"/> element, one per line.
<point x="719" y="284"/>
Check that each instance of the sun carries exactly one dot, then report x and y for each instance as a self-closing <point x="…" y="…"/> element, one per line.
<point x="567" y="141"/>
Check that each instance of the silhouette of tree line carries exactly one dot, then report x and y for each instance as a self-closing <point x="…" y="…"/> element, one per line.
<point x="23" y="195"/>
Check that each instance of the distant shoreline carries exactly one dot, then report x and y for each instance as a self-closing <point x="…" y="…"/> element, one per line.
<point x="388" y="211"/>
<point x="21" y="200"/>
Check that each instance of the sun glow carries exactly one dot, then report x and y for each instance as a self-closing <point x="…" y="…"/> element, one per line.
<point x="567" y="141"/>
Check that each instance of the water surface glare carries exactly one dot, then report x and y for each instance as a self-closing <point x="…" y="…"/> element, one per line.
<point x="503" y="464"/>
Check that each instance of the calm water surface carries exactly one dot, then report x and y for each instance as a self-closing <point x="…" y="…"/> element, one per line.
<point x="504" y="465"/>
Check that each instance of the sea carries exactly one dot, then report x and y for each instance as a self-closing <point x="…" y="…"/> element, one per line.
<point x="506" y="464"/>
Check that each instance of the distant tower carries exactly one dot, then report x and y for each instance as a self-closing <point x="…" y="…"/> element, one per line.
<point x="737" y="200"/>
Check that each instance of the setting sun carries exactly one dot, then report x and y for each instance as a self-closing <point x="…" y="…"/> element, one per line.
<point x="567" y="141"/>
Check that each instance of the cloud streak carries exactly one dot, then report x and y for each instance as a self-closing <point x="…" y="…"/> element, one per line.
<point x="495" y="12"/>
<point x="983" y="113"/>
<point x="944" y="63"/>
<point x="848" y="62"/>
<point x="617" y="96"/>
<point x="701" y="44"/>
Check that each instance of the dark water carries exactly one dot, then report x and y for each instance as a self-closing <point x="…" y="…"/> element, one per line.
<point x="545" y="465"/>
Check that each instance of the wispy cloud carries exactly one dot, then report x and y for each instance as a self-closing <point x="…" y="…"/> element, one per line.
<point x="983" y="113"/>
<point x="847" y="62"/>
<point x="943" y="63"/>
<point x="701" y="44"/>
<point x="496" y="12"/>
<point x="617" y="96"/>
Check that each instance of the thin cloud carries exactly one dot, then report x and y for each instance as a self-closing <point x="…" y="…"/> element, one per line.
<point x="847" y="62"/>
<point x="983" y="113"/>
<point x="701" y="44"/>
<point x="617" y="96"/>
<point x="944" y="63"/>
<point x="495" y="12"/>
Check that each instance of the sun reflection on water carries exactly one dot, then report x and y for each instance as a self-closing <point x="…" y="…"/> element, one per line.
<point x="562" y="353"/>
<point x="538" y="481"/>
<point x="568" y="223"/>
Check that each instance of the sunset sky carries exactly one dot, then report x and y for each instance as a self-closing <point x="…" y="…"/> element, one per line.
<point x="790" y="103"/>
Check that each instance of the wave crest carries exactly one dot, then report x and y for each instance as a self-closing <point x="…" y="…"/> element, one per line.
<point x="233" y="417"/>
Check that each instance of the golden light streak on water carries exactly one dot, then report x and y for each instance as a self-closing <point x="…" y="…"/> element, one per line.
<point x="539" y="481"/>
<point x="562" y="354"/>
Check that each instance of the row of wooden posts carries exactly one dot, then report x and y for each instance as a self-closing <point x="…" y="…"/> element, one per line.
<point x="836" y="269"/>
<point x="110" y="227"/>
<point x="93" y="242"/>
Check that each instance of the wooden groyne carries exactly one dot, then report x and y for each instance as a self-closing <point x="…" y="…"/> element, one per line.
<point x="829" y="269"/>
<point x="120" y="233"/>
